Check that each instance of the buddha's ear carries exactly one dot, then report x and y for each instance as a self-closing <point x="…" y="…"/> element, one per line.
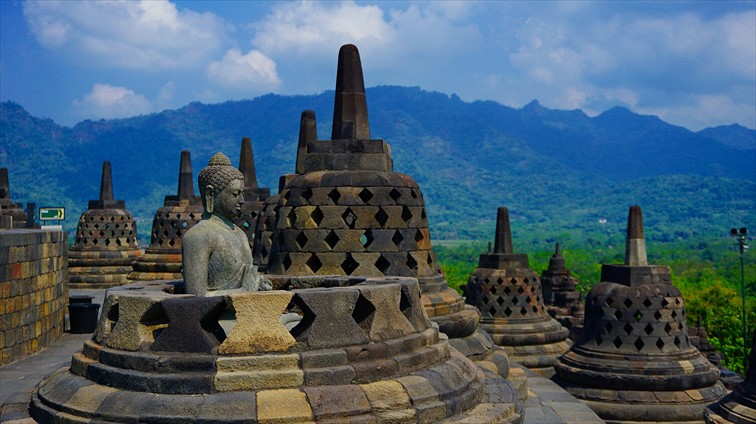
<point x="209" y="198"/>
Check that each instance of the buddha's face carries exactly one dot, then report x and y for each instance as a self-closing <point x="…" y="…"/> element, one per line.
<point x="228" y="202"/>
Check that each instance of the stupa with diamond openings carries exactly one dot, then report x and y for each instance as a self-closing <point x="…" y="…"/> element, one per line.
<point x="254" y="196"/>
<point x="106" y="241"/>
<point x="635" y="362"/>
<point x="347" y="213"/>
<point x="508" y="294"/>
<point x="162" y="259"/>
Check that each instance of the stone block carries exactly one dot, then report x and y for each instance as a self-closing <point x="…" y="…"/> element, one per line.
<point x="378" y="312"/>
<point x="337" y="401"/>
<point x="258" y="328"/>
<point x="283" y="406"/>
<point x="140" y="316"/>
<point x="328" y="320"/>
<point x="192" y="325"/>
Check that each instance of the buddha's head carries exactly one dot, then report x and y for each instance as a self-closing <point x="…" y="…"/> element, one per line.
<point x="221" y="187"/>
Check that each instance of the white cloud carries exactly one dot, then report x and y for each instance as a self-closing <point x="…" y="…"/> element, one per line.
<point x="144" y="35"/>
<point x="109" y="101"/>
<point x="249" y="73"/>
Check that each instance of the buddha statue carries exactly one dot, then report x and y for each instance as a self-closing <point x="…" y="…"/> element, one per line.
<point x="216" y="256"/>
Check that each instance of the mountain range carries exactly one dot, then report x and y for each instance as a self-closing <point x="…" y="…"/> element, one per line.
<point x="563" y="175"/>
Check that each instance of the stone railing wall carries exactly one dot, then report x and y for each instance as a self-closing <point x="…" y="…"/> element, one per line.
<point x="33" y="291"/>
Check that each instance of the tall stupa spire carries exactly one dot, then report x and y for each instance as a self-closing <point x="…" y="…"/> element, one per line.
<point x="350" y="117"/>
<point x="185" y="184"/>
<point x="635" y="246"/>
<point x="308" y="132"/>
<point x="247" y="164"/>
<point x="106" y="182"/>
<point x="503" y="240"/>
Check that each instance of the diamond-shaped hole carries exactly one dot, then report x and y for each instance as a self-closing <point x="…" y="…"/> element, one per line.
<point x="515" y="300"/>
<point x="609" y="301"/>
<point x="349" y="265"/>
<point x="334" y="195"/>
<point x="628" y="303"/>
<point x="395" y="194"/>
<point x="657" y="315"/>
<point x="648" y="329"/>
<point x="367" y="239"/>
<point x="618" y="314"/>
<point x="381" y="217"/>
<point x="292" y="217"/>
<point x="628" y="329"/>
<point x="406" y="214"/>
<point x="314" y="263"/>
<point x="507" y="311"/>
<point x="664" y="302"/>
<point x="418" y="236"/>
<point x="307" y="194"/>
<point x="317" y="216"/>
<point x="397" y="238"/>
<point x="493" y="290"/>
<point x="500" y="300"/>
<point x="507" y="290"/>
<point x="677" y="341"/>
<point x="674" y="314"/>
<point x="382" y="264"/>
<point x="660" y="343"/>
<point x="301" y="239"/>
<point x="639" y="344"/>
<point x="667" y="328"/>
<point x="617" y="342"/>
<point x="492" y="311"/>
<point x="411" y="262"/>
<point x="365" y="195"/>
<point x="286" y="262"/>
<point x="520" y="290"/>
<point x="349" y="218"/>
<point x="638" y="315"/>
<point x="523" y="311"/>
<point x="647" y="302"/>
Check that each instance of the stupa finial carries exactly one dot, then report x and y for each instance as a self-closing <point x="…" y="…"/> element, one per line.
<point x="106" y="182"/>
<point x="503" y="241"/>
<point x="635" y="246"/>
<point x="350" y="117"/>
<point x="185" y="185"/>
<point x="247" y="164"/>
<point x="308" y="131"/>
<point x="4" y="184"/>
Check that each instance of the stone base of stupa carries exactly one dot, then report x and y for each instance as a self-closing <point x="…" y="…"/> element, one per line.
<point x="738" y="407"/>
<point x="99" y="269"/>
<point x="157" y="264"/>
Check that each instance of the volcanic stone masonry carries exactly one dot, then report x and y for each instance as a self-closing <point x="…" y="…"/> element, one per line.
<point x="363" y="353"/>
<point x="348" y="213"/>
<point x="254" y="196"/>
<point x="635" y="362"/>
<point x="562" y="302"/>
<point x="508" y="294"/>
<point x="106" y="241"/>
<point x="33" y="291"/>
<point x="11" y="214"/>
<point x="162" y="260"/>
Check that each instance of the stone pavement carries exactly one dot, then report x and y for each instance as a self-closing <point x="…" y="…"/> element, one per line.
<point x="547" y="403"/>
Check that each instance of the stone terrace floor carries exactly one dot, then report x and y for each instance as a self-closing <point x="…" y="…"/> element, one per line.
<point x="547" y="403"/>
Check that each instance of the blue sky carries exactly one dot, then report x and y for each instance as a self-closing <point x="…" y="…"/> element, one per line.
<point x="691" y="63"/>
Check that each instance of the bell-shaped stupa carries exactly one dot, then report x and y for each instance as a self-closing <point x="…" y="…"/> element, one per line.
<point x="254" y="196"/>
<point x="508" y="294"/>
<point x="561" y="299"/>
<point x="739" y="406"/>
<point x="635" y="362"/>
<point x="347" y="213"/>
<point x="7" y="206"/>
<point x="162" y="259"/>
<point x="106" y="241"/>
<point x="267" y="221"/>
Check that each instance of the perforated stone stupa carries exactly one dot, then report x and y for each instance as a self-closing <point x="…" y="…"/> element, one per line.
<point x="508" y="294"/>
<point x="739" y="406"/>
<point x="254" y="196"/>
<point x="7" y="206"/>
<point x="635" y="362"/>
<point x="365" y="353"/>
<point x="267" y="222"/>
<point x="106" y="241"/>
<point x="347" y="213"/>
<point x="162" y="259"/>
<point x="561" y="299"/>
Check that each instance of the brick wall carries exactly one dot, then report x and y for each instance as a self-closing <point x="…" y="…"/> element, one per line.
<point x="33" y="291"/>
